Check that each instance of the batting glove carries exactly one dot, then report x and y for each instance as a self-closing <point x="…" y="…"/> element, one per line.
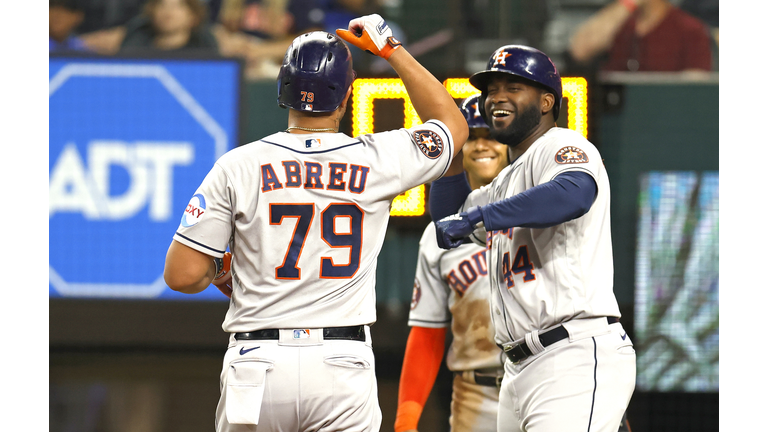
<point x="371" y="33"/>
<point x="452" y="231"/>
<point x="223" y="278"/>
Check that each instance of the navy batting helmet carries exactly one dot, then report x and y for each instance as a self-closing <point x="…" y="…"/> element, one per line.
<point x="524" y="62"/>
<point x="470" y="107"/>
<point x="316" y="73"/>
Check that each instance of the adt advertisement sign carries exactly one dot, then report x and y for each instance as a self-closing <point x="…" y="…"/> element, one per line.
<point x="130" y="141"/>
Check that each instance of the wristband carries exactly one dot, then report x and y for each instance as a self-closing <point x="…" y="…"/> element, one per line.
<point x="629" y="4"/>
<point x="475" y="216"/>
<point x="219" y="263"/>
<point x="390" y="47"/>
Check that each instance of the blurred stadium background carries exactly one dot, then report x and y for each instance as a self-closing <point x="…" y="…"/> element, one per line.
<point x="131" y="135"/>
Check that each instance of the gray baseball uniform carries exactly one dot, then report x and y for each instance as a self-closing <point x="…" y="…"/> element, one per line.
<point x="451" y="287"/>
<point x="305" y="217"/>
<point x="561" y="274"/>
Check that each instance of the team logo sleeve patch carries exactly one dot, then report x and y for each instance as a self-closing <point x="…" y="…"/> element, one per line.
<point x="429" y="143"/>
<point x="416" y="296"/>
<point x="194" y="211"/>
<point x="571" y="155"/>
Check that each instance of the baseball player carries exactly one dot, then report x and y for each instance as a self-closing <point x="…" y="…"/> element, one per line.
<point x="304" y="213"/>
<point x="451" y="288"/>
<point x="546" y="224"/>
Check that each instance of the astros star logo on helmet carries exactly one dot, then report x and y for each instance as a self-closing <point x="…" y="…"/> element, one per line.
<point x="501" y="58"/>
<point x="475" y="111"/>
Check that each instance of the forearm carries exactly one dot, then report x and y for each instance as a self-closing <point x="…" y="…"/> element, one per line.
<point x="421" y="363"/>
<point x="596" y="35"/>
<point x="456" y="167"/>
<point x="447" y="194"/>
<point x="567" y="197"/>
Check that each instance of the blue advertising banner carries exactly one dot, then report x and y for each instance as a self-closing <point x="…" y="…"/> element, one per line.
<point x="129" y="141"/>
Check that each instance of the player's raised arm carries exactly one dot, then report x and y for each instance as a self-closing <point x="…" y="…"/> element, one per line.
<point x="428" y="95"/>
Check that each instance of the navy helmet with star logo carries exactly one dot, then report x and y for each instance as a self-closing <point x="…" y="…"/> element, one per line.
<point x="470" y="107"/>
<point x="523" y="62"/>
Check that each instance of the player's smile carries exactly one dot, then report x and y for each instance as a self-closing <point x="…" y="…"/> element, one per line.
<point x="501" y="118"/>
<point x="484" y="158"/>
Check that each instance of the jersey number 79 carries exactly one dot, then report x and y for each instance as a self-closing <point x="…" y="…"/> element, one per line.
<point x="305" y="214"/>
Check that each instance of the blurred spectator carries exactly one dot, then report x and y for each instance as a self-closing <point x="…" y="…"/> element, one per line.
<point x="170" y="26"/>
<point x="260" y="31"/>
<point x="106" y="14"/>
<point x="269" y="19"/>
<point x="105" y="41"/>
<point x="707" y="11"/>
<point x="63" y="18"/>
<point x="641" y="36"/>
<point x="338" y="13"/>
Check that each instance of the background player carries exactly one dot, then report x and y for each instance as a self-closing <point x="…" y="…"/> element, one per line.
<point x="304" y="213"/>
<point x="451" y="288"/>
<point x="546" y="222"/>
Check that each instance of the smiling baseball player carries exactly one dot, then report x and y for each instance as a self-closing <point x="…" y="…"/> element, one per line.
<point x="545" y="220"/>
<point x="304" y="213"/>
<point x="451" y="288"/>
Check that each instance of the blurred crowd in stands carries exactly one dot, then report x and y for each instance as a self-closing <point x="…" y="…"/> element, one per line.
<point x="258" y="31"/>
<point x="622" y="35"/>
<point x="649" y="36"/>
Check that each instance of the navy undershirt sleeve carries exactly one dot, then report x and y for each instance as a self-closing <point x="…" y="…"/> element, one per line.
<point x="568" y="196"/>
<point x="447" y="195"/>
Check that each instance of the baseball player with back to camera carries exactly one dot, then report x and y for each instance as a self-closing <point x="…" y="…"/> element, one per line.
<point x="304" y="213"/>
<point x="451" y="288"/>
<point x="545" y="220"/>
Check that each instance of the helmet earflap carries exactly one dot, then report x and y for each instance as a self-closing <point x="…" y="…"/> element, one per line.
<point x="481" y="106"/>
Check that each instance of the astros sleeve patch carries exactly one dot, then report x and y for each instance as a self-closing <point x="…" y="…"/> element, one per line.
<point x="429" y="143"/>
<point x="571" y="155"/>
<point x="416" y="296"/>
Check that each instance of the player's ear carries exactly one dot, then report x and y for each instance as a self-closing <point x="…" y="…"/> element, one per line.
<point x="346" y="98"/>
<point x="547" y="102"/>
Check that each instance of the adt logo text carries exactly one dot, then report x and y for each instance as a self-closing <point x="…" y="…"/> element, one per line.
<point x="115" y="179"/>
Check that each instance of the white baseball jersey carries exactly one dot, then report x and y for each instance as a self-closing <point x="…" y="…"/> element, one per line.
<point x="451" y="287"/>
<point x="542" y="277"/>
<point x="304" y="216"/>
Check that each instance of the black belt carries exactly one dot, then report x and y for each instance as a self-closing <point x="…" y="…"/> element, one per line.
<point x="355" y="333"/>
<point x="485" y="379"/>
<point x="521" y="351"/>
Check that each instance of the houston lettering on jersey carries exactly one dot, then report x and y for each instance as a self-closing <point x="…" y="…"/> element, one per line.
<point x="338" y="176"/>
<point x="464" y="274"/>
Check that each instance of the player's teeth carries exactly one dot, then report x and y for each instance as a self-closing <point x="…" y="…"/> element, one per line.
<point x="499" y="113"/>
<point x="485" y="159"/>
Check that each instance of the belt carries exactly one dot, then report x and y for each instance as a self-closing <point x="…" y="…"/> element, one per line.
<point x="485" y="379"/>
<point x="355" y="333"/>
<point x="521" y="351"/>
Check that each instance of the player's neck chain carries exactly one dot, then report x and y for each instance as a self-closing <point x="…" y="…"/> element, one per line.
<point x="311" y="129"/>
